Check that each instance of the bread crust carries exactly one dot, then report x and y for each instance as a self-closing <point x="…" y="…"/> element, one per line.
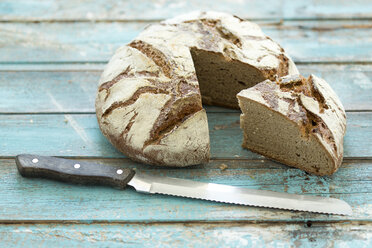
<point x="148" y="93"/>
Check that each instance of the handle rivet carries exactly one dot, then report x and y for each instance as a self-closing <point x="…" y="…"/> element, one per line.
<point x="119" y="171"/>
<point x="76" y="166"/>
<point x="35" y="160"/>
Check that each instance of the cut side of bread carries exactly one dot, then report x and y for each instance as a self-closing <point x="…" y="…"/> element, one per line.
<point x="296" y="121"/>
<point x="220" y="78"/>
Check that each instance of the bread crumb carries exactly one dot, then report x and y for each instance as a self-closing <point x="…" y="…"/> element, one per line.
<point x="234" y="124"/>
<point x="219" y="127"/>
<point x="223" y="167"/>
<point x="31" y="121"/>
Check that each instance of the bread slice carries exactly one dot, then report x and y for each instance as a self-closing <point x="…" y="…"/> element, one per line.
<point x="296" y="121"/>
<point x="149" y="100"/>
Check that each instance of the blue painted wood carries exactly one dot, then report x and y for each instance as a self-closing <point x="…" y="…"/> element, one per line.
<point x="39" y="44"/>
<point x="79" y="135"/>
<point x="348" y="235"/>
<point x="25" y="199"/>
<point x="22" y="10"/>
<point x="48" y="91"/>
<point x="73" y="90"/>
<point x="310" y="41"/>
<point x="52" y="66"/>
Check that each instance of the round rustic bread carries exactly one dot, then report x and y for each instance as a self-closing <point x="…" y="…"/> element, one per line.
<point x="149" y="101"/>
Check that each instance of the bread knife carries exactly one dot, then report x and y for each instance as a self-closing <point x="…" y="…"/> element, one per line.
<point x="82" y="172"/>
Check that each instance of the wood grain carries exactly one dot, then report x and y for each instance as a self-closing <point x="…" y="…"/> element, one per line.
<point x="309" y="41"/>
<point x="73" y="90"/>
<point x="189" y="235"/>
<point x="100" y="10"/>
<point x="38" y="200"/>
<point x="79" y="135"/>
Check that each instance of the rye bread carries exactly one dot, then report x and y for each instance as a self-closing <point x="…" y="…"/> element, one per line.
<point x="149" y="100"/>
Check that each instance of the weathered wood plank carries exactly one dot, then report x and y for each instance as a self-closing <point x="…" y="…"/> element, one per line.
<point x="25" y="199"/>
<point x="351" y="235"/>
<point x="36" y="10"/>
<point x="312" y="41"/>
<point x="46" y="91"/>
<point x="52" y="66"/>
<point x="79" y="135"/>
<point x="43" y="42"/>
<point x="74" y="91"/>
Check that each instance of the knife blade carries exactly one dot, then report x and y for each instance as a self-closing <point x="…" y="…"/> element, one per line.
<point x="83" y="172"/>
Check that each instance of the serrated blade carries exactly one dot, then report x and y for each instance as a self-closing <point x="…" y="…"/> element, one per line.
<point x="236" y="195"/>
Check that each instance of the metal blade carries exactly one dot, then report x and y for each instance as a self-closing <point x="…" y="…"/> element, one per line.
<point x="229" y="194"/>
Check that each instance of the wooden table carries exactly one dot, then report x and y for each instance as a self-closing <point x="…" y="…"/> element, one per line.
<point x="51" y="56"/>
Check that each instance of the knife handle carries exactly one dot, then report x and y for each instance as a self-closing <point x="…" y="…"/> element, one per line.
<point x="73" y="171"/>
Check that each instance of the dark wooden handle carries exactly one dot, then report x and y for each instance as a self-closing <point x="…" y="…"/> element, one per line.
<point x="73" y="171"/>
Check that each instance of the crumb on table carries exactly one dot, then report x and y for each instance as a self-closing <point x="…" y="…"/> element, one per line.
<point x="223" y="167"/>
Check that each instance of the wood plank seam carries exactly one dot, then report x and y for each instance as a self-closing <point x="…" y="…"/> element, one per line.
<point x="92" y="113"/>
<point x="104" y="62"/>
<point x="122" y="20"/>
<point x="193" y="222"/>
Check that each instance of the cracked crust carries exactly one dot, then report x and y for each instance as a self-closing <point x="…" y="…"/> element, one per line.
<point x="313" y="109"/>
<point x="149" y="104"/>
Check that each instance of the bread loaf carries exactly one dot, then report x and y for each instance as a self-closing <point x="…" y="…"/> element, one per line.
<point x="299" y="122"/>
<point x="149" y="101"/>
